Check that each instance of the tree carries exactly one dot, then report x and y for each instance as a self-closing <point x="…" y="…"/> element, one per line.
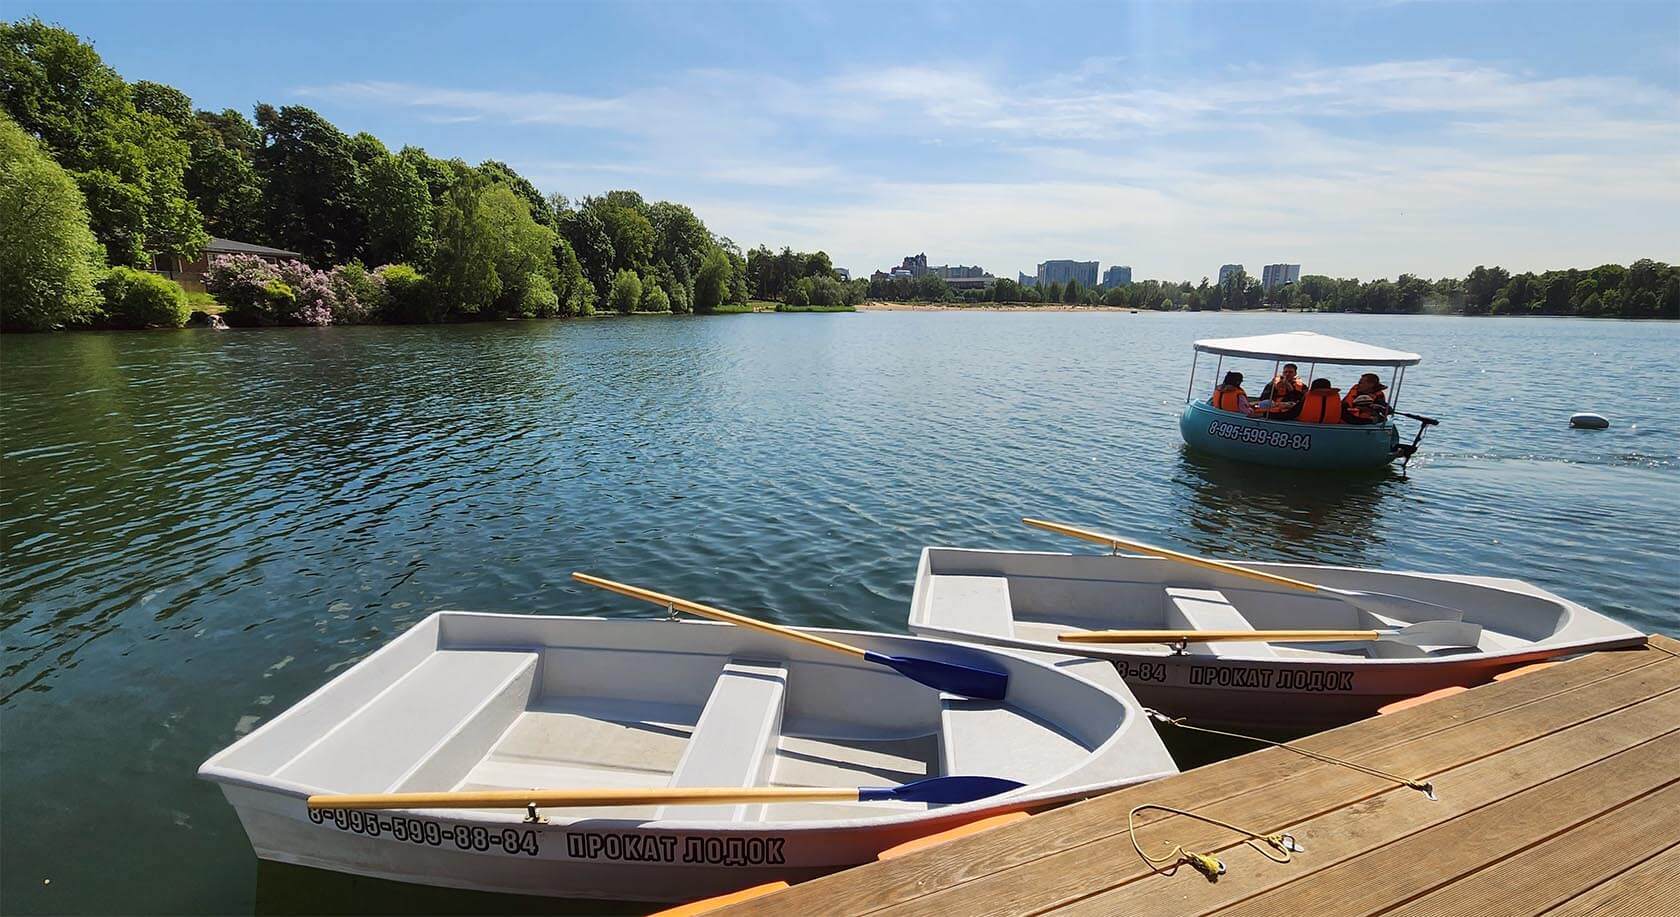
<point x="576" y="293"/>
<point x="522" y="251"/>
<point x="1483" y="284"/>
<point x="311" y="184"/>
<point x="711" y="285"/>
<point x="221" y="176"/>
<point x="592" y="245"/>
<point x="1070" y="293"/>
<point x="463" y="275"/>
<point x="128" y="163"/>
<point x="501" y="173"/>
<point x="626" y="292"/>
<point x="141" y="299"/>
<point x="49" y="259"/>
<point x="397" y="210"/>
<point x="1006" y="290"/>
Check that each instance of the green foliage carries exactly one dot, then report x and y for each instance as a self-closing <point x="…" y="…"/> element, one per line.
<point x="129" y="163"/>
<point x="626" y="292"/>
<point x="221" y="176"/>
<point x="711" y="285"/>
<point x="49" y="259"/>
<point x="409" y="296"/>
<point x="522" y="252"/>
<point x="311" y="185"/>
<point x="139" y="299"/>
<point x="464" y="276"/>
<point x="500" y="173"/>
<point x="654" y="299"/>
<point x="1071" y="292"/>
<point x="397" y="208"/>
<point x="576" y="294"/>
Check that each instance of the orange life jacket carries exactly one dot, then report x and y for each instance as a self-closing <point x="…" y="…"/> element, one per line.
<point x="1321" y="405"/>
<point x="1364" y="412"/>
<point x="1225" y="397"/>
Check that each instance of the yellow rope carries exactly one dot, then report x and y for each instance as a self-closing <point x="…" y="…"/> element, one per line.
<point x="1207" y="864"/>
<point x="1422" y="786"/>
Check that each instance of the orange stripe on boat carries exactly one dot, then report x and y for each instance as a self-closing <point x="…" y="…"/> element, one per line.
<point x="707" y="905"/>
<point x="934" y="840"/>
<point x="1524" y="670"/>
<point x="1421" y="699"/>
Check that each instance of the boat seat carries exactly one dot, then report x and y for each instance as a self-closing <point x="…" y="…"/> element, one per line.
<point x="433" y="723"/>
<point x="734" y="741"/>
<point x="1208" y="609"/>
<point x="977" y="604"/>
<point x="990" y="737"/>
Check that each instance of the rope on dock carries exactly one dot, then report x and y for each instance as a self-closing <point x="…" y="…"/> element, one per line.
<point x="1422" y="786"/>
<point x="1207" y="864"/>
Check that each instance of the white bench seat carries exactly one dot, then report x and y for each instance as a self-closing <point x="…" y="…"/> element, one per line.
<point x="1208" y="609"/>
<point x="978" y="604"/>
<point x="734" y="741"/>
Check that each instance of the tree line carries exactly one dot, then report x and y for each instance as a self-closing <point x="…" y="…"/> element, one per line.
<point x="1643" y="289"/>
<point x="98" y="174"/>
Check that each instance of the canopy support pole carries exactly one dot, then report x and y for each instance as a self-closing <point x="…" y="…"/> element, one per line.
<point x="1398" y="380"/>
<point x="1194" y="356"/>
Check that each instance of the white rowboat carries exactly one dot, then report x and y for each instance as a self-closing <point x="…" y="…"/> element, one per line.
<point x="1028" y="600"/>
<point x="466" y="702"/>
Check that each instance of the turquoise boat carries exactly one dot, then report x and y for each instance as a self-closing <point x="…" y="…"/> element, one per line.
<point x="1292" y="444"/>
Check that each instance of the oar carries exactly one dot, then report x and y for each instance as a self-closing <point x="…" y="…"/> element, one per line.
<point x="1380" y="602"/>
<point x="954" y="677"/>
<point x="1426" y="633"/>
<point x="936" y="790"/>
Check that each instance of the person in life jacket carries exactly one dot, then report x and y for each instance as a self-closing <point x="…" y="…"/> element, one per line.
<point x="1321" y="404"/>
<point x="1229" y="395"/>
<point x="1365" y="403"/>
<point x="1284" y="392"/>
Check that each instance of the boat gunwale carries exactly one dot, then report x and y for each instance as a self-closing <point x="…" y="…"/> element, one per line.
<point x="1029" y="796"/>
<point x="1535" y="650"/>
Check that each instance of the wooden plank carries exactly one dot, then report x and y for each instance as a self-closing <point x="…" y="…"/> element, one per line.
<point x="1350" y="831"/>
<point x="876" y="886"/>
<point x="1062" y="873"/>
<point x="1398" y="872"/>
<point x="1558" y="869"/>
<point x="1648" y="888"/>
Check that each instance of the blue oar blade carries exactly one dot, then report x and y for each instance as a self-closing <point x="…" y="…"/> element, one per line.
<point x="954" y="677"/>
<point x="940" y="790"/>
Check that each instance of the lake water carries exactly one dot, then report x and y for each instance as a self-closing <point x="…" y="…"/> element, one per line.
<point x="200" y="527"/>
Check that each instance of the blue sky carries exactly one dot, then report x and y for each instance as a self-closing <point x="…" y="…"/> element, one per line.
<point x="1358" y="139"/>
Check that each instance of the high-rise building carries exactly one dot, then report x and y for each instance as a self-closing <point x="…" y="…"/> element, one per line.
<point x="1226" y="270"/>
<point x="1063" y="271"/>
<point x="1117" y="276"/>
<point x="916" y="264"/>
<point x="1028" y="280"/>
<point x="1277" y="275"/>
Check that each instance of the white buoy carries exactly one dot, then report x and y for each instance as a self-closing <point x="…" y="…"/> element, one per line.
<point x="1586" y="421"/>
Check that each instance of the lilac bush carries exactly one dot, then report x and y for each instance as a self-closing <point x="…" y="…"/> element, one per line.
<point x="360" y="294"/>
<point x="316" y="300"/>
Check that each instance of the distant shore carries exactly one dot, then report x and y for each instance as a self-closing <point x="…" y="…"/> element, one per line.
<point x="877" y="305"/>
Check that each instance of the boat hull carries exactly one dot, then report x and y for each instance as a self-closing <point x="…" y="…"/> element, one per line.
<point x="526" y="701"/>
<point x="1026" y="599"/>
<point x="1286" y="443"/>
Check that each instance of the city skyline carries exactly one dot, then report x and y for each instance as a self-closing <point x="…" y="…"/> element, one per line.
<point x="1375" y="139"/>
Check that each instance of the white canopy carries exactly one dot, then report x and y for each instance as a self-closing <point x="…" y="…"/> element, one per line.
<point x="1308" y="347"/>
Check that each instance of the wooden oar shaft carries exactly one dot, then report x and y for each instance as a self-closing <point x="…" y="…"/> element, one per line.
<point x="1168" y="554"/>
<point x="519" y="799"/>
<point x="718" y="614"/>
<point x="1208" y="636"/>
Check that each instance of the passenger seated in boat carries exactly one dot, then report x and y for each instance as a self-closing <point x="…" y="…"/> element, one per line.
<point x="1229" y="395"/>
<point x="1365" y="403"/>
<point x="1284" y="392"/>
<point x="1321" y="404"/>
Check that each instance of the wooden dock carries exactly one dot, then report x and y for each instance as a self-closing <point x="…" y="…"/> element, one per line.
<point x="1559" y="794"/>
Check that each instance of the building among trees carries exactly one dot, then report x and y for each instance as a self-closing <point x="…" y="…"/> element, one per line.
<point x="1273" y="276"/>
<point x="189" y="273"/>
<point x="1117" y="275"/>
<point x="1063" y="271"/>
<point x="1226" y="270"/>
